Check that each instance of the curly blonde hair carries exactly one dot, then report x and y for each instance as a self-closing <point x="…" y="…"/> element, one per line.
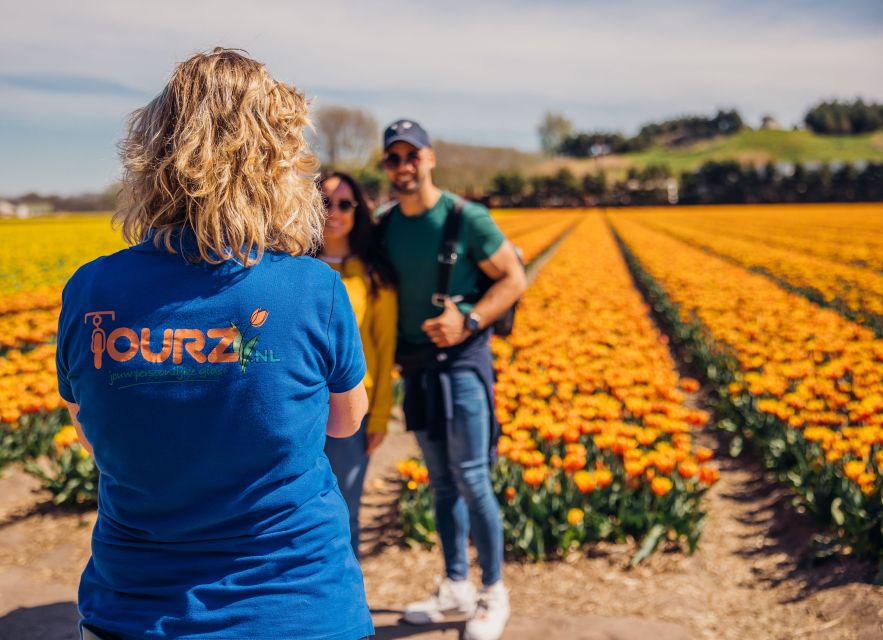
<point x="221" y="151"/>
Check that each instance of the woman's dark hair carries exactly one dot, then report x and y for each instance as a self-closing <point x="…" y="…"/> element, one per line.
<point x="362" y="238"/>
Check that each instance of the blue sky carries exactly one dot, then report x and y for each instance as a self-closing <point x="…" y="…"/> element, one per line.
<point x="481" y="72"/>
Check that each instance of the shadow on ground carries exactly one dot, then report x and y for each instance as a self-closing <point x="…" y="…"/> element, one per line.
<point x="389" y="626"/>
<point x="796" y="546"/>
<point x="56" y="621"/>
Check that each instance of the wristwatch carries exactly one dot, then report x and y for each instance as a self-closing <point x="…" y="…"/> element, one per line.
<point x="472" y="322"/>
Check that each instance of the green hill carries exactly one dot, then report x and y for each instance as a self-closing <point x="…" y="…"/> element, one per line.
<point x="764" y="146"/>
<point x="466" y="167"/>
<point x="747" y="147"/>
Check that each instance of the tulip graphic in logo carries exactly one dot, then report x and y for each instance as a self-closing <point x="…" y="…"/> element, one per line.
<point x="243" y="345"/>
<point x="259" y="317"/>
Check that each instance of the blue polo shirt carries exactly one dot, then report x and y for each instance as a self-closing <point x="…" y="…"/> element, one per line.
<point x="204" y="392"/>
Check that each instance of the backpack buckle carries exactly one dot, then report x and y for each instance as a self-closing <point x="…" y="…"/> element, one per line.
<point x="448" y="257"/>
<point x="438" y="299"/>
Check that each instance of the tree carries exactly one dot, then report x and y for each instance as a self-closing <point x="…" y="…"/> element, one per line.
<point x="594" y="185"/>
<point x="347" y="137"/>
<point x="508" y="185"/>
<point x="553" y="129"/>
<point x="844" y="118"/>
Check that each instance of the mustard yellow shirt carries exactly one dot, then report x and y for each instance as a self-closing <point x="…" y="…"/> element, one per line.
<point x="376" y="316"/>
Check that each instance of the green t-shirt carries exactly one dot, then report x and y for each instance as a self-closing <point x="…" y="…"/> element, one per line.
<point x="413" y="244"/>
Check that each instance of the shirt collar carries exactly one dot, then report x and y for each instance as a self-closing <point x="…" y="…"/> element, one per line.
<point x="183" y="241"/>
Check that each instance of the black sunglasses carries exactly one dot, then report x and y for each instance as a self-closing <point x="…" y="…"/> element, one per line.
<point x="393" y="160"/>
<point x="344" y="206"/>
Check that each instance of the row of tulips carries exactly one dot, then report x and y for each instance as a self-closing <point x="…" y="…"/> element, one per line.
<point x="855" y="291"/>
<point x="33" y="427"/>
<point x="38" y="256"/>
<point x="28" y="329"/>
<point x="67" y="469"/>
<point x="535" y="231"/>
<point x="42" y="253"/>
<point x="850" y="234"/>
<point x="801" y="382"/>
<point x="598" y="440"/>
<point x="31" y="411"/>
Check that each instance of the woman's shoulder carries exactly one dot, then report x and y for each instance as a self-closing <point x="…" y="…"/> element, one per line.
<point x="306" y="264"/>
<point x="86" y="273"/>
<point x="306" y="270"/>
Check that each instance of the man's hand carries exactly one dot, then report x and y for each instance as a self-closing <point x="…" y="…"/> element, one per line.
<point x="447" y="329"/>
<point x="374" y="440"/>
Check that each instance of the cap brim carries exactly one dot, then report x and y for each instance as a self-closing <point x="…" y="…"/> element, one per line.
<point x="414" y="143"/>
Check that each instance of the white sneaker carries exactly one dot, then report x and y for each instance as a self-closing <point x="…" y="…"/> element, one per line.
<point x="452" y="597"/>
<point x="491" y="614"/>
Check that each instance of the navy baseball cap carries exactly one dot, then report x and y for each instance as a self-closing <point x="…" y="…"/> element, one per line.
<point x="406" y="131"/>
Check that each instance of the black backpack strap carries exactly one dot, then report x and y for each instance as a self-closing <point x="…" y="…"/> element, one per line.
<point x="447" y="256"/>
<point x="381" y="218"/>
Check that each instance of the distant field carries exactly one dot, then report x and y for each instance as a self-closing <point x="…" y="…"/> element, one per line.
<point x="765" y="146"/>
<point x="458" y="166"/>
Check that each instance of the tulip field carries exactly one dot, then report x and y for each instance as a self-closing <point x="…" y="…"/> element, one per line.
<point x="39" y="255"/>
<point x="776" y="310"/>
<point x="837" y="263"/>
<point x="799" y="380"/>
<point x="784" y="326"/>
<point x="598" y="440"/>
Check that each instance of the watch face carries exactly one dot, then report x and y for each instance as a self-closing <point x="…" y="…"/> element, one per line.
<point x="472" y="322"/>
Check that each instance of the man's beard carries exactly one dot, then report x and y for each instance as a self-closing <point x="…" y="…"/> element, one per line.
<point x="409" y="186"/>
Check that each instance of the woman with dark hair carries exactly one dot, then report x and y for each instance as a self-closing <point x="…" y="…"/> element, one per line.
<point x="205" y="396"/>
<point x="350" y="249"/>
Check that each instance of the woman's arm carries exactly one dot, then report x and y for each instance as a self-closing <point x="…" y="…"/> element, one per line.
<point x="383" y="334"/>
<point x="74" y="410"/>
<point x="346" y="411"/>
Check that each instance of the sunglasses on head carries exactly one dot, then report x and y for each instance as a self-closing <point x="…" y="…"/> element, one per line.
<point x="394" y="160"/>
<point x="344" y="206"/>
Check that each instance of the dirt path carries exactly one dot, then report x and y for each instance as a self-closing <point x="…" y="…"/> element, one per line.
<point x="745" y="582"/>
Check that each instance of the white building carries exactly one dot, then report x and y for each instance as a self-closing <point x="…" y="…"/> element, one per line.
<point x="12" y="210"/>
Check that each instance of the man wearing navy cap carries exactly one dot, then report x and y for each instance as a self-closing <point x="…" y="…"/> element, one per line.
<point x="443" y="348"/>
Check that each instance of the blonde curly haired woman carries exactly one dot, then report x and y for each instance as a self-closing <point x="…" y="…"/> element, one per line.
<point x="205" y="391"/>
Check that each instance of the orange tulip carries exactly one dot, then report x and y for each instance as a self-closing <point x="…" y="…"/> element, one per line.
<point x="584" y="481"/>
<point x="709" y="475"/>
<point x="853" y="469"/>
<point x="661" y="486"/>
<point x="688" y="469"/>
<point x="603" y="478"/>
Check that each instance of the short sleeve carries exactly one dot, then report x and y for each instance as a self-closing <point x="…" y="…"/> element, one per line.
<point x="483" y="235"/>
<point x="61" y="364"/>
<point x="346" y="360"/>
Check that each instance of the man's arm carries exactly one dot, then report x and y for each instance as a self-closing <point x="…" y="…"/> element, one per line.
<point x="510" y="283"/>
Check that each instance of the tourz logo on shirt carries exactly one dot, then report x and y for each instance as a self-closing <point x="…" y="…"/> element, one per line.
<point x="182" y="346"/>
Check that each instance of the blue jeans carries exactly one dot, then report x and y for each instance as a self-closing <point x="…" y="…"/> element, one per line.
<point x="460" y="479"/>
<point x="349" y="463"/>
